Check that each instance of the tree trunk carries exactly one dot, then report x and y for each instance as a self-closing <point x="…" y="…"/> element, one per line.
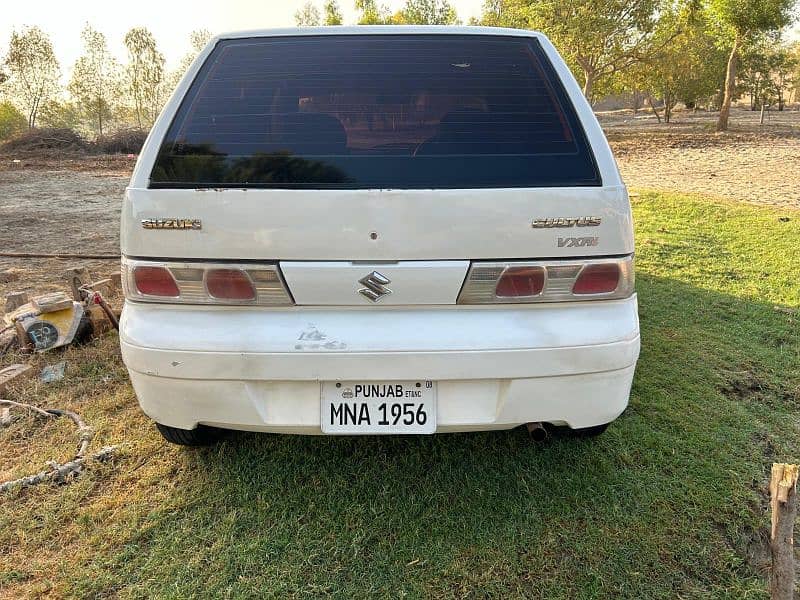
<point x="588" y="86"/>
<point x="32" y="113"/>
<point x="653" y="107"/>
<point x="668" y="106"/>
<point x="730" y="86"/>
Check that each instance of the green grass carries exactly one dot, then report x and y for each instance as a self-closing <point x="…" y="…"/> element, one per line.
<point x="669" y="503"/>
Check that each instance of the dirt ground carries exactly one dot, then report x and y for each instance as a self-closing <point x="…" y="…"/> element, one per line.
<point x="59" y="205"/>
<point x="751" y="162"/>
<point x="72" y="204"/>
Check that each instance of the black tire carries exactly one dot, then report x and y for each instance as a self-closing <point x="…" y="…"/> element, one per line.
<point x="202" y="435"/>
<point x="588" y="432"/>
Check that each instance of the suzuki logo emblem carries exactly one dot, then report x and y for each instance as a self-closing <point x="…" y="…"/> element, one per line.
<point x="374" y="286"/>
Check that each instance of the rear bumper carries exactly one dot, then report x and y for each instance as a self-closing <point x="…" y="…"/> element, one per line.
<point x="496" y="367"/>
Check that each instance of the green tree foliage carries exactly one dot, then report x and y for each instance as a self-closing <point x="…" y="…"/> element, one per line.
<point x="308" y="16"/>
<point x="794" y="74"/>
<point x="197" y="41"/>
<point x="333" y="14"/>
<point x="598" y="38"/>
<point x="370" y="13"/>
<point x="741" y="20"/>
<point x="428" y="12"/>
<point x="12" y="121"/>
<point x="686" y="65"/>
<point x="144" y="75"/>
<point x="768" y="72"/>
<point x="94" y="84"/>
<point x="61" y="114"/>
<point x="33" y="71"/>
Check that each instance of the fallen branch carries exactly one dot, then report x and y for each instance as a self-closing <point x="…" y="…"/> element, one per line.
<point x="40" y="411"/>
<point x="59" y="472"/>
<point x="85" y="432"/>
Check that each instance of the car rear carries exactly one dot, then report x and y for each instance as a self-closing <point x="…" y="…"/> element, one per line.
<point x="378" y="230"/>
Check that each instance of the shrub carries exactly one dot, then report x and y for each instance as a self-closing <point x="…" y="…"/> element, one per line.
<point x="46" y="141"/>
<point x="59" y="114"/>
<point x="12" y="121"/>
<point x="122" y="141"/>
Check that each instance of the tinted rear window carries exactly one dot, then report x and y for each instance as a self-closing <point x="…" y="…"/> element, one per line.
<point x="372" y="111"/>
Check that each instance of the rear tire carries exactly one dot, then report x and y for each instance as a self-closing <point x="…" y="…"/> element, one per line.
<point x="202" y="435"/>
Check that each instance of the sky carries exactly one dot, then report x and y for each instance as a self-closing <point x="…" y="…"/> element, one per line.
<point x="171" y="21"/>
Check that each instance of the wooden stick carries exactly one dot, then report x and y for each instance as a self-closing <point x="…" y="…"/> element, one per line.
<point x="783" y="502"/>
<point x="36" y="409"/>
<point x="59" y="473"/>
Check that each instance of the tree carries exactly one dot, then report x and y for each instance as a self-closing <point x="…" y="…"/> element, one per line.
<point x="794" y="53"/>
<point x="598" y="38"/>
<point x="145" y="75"/>
<point x="686" y="68"/>
<point x="371" y="13"/>
<point x="429" y="12"/>
<point x="783" y="65"/>
<point x="741" y="20"/>
<point x="33" y="71"/>
<point x="307" y="16"/>
<point x="197" y="41"/>
<point x="95" y="79"/>
<point x="333" y="14"/>
<point x="756" y="62"/>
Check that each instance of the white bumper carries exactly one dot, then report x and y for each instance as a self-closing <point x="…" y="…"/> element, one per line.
<point x="496" y="367"/>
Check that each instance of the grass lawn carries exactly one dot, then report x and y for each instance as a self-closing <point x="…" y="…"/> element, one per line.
<point x="670" y="502"/>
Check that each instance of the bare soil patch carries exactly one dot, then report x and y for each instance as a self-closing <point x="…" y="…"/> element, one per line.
<point x="64" y="210"/>
<point x="750" y="163"/>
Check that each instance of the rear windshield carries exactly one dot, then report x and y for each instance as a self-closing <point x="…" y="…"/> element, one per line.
<point x="376" y="111"/>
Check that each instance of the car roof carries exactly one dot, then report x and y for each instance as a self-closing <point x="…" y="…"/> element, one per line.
<point x="377" y="30"/>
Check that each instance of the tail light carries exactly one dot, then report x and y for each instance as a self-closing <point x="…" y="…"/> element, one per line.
<point x="520" y="282"/>
<point x="548" y="281"/>
<point x="204" y="283"/>
<point x="155" y="281"/>
<point x="229" y="284"/>
<point x="600" y="278"/>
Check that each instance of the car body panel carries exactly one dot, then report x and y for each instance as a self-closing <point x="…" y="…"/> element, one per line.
<point x="261" y="369"/>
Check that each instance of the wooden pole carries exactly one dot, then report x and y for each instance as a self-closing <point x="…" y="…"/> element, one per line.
<point x="783" y="502"/>
<point x="77" y="277"/>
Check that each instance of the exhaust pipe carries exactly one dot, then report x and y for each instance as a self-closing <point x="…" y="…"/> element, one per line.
<point x="537" y="431"/>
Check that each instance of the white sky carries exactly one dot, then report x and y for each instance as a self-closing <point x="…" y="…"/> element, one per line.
<point x="171" y="21"/>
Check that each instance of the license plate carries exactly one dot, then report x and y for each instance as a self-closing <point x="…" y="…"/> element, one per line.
<point x="370" y="407"/>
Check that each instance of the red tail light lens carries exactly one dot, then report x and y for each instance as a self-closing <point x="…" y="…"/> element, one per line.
<point x="229" y="284"/>
<point x="597" y="279"/>
<point x="155" y="281"/>
<point x="519" y="282"/>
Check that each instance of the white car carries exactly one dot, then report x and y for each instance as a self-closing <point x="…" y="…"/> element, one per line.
<point x="378" y="230"/>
